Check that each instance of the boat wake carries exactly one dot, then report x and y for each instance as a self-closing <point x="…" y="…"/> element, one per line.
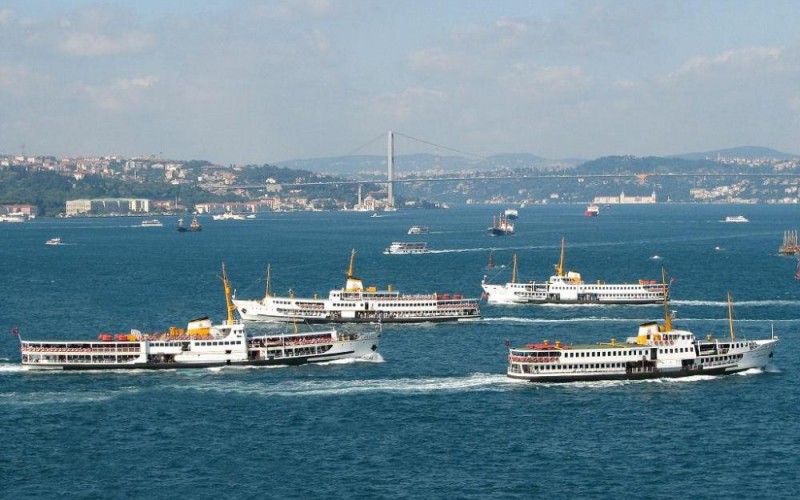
<point x="486" y="249"/>
<point x="13" y="367"/>
<point x="590" y="319"/>
<point x="754" y="371"/>
<point x="374" y="357"/>
<point x="603" y="384"/>
<point x="39" y="398"/>
<point x="326" y="387"/>
<point x="739" y="303"/>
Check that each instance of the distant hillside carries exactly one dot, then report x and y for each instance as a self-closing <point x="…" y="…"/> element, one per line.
<point x="749" y="152"/>
<point x="351" y="165"/>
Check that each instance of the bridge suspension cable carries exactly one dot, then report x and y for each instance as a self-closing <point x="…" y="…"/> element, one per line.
<point x="440" y="146"/>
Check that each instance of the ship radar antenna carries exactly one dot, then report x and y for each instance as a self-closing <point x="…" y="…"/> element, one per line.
<point x="228" y="302"/>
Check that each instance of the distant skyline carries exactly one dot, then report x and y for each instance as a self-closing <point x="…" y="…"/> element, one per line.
<point x="247" y="81"/>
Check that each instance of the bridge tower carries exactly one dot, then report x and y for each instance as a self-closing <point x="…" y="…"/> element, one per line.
<point x="390" y="173"/>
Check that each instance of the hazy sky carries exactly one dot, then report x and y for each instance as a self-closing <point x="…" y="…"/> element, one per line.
<point x="265" y="81"/>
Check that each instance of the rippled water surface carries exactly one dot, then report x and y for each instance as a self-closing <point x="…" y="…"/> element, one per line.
<point x="434" y="414"/>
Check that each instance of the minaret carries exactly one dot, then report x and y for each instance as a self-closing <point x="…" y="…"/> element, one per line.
<point x="390" y="174"/>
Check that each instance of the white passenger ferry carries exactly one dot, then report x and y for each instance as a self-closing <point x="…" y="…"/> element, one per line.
<point x="228" y="216"/>
<point x="406" y="248"/>
<point x="201" y="344"/>
<point x="354" y="303"/>
<point x="736" y="218"/>
<point x="569" y="288"/>
<point x="656" y="351"/>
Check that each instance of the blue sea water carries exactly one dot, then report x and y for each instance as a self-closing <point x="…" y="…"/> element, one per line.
<point x="434" y="416"/>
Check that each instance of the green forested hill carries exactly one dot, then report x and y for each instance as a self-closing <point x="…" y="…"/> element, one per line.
<point x="50" y="191"/>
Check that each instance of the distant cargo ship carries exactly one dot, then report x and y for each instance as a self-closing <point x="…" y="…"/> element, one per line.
<point x="501" y="226"/>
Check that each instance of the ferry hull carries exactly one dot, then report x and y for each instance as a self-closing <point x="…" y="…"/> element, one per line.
<point x="595" y="377"/>
<point x="180" y="366"/>
<point x="383" y="320"/>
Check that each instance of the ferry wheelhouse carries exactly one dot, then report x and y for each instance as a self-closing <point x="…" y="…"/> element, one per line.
<point x="656" y="351"/>
<point x="355" y="304"/>
<point x="201" y="344"/>
<point x="406" y="248"/>
<point x="569" y="288"/>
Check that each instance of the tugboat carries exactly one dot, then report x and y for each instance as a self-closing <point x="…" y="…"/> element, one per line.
<point x="656" y="351"/>
<point x="200" y="345"/>
<point x="568" y="288"/>
<point x="592" y="210"/>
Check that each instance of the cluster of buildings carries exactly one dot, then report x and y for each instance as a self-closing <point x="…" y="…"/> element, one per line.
<point x="625" y="200"/>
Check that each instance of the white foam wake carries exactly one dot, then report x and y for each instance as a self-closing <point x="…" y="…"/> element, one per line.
<point x="591" y="319"/>
<point x="717" y="303"/>
<point x="325" y="387"/>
